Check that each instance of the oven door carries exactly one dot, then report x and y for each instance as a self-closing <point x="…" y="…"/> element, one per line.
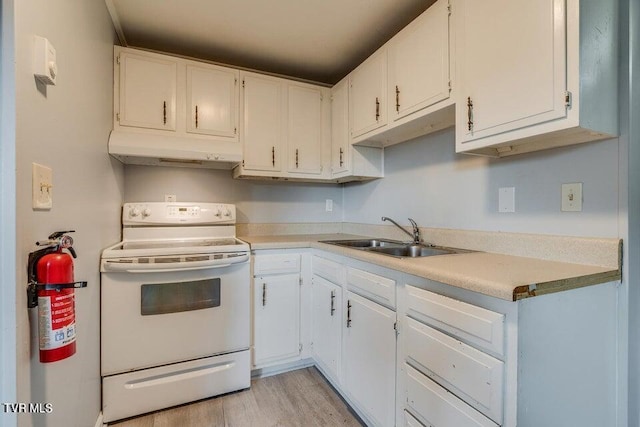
<point x="156" y="318"/>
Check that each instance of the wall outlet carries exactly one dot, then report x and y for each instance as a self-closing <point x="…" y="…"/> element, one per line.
<point x="42" y="187"/>
<point x="328" y="207"/>
<point x="169" y="198"/>
<point x="507" y="199"/>
<point x="572" y="197"/>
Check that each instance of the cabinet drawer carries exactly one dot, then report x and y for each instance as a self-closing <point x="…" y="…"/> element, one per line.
<point x="276" y="264"/>
<point x="410" y="421"/>
<point x="330" y="270"/>
<point x="478" y="326"/>
<point x="378" y="288"/>
<point x="471" y="374"/>
<point x="436" y="406"/>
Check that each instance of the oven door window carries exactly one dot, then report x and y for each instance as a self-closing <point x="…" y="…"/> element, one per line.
<point x="163" y="298"/>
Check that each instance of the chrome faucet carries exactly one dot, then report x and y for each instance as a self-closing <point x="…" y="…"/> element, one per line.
<point x="415" y="235"/>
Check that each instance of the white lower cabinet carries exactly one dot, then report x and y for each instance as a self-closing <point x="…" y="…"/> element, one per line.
<point x="369" y="358"/>
<point x="408" y="351"/>
<point x="327" y="325"/>
<point x="466" y="372"/>
<point x="277" y="318"/>
<point x="448" y="381"/>
<point x="276" y="308"/>
<point x="436" y="406"/>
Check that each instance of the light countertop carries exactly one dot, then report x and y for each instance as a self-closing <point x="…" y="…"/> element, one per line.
<point x="501" y="276"/>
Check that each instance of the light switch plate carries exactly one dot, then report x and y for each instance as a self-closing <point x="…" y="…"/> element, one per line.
<point x="328" y="206"/>
<point x="572" y="197"/>
<point x="506" y="199"/>
<point x="42" y="187"/>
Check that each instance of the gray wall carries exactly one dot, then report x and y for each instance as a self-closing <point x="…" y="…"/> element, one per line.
<point x="427" y="181"/>
<point x="256" y="201"/>
<point x="66" y="127"/>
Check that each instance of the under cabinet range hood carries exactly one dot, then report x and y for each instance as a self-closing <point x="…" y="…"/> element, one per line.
<point x="139" y="148"/>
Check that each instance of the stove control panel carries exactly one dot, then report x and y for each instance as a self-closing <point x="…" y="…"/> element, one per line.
<point x="161" y="213"/>
<point x="183" y="211"/>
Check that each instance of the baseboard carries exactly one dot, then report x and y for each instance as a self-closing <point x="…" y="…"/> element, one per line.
<point x="99" y="421"/>
<point x="279" y="369"/>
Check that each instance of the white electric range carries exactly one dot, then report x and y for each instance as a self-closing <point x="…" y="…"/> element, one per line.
<point x="175" y="308"/>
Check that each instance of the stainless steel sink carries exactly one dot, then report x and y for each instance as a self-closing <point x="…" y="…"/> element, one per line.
<point x="366" y="243"/>
<point x="395" y="248"/>
<point x="413" y="251"/>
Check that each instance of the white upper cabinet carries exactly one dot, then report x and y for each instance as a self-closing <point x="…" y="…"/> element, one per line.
<point x="340" y="143"/>
<point x="534" y="74"/>
<point x="404" y="90"/>
<point x="304" y="129"/>
<point x="368" y="94"/>
<point x="285" y="129"/>
<point x="262" y="122"/>
<point x="147" y="91"/>
<point x="419" y="63"/>
<point x="212" y="100"/>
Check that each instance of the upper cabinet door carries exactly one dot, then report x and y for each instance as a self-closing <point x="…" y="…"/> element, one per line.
<point x="304" y="129"/>
<point x="212" y="101"/>
<point x="262" y="113"/>
<point x="512" y="63"/>
<point x="419" y="62"/>
<point x="147" y="91"/>
<point x="368" y="94"/>
<point x="340" y="145"/>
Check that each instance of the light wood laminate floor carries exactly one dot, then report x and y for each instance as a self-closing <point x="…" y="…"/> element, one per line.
<point x="298" y="398"/>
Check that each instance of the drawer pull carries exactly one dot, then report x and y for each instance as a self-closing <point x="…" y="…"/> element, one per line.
<point x="348" y="313"/>
<point x="469" y="113"/>
<point x="264" y="294"/>
<point x="333" y="298"/>
<point x="164" y="112"/>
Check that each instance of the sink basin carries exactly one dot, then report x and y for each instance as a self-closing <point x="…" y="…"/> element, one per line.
<point x="394" y="248"/>
<point x="366" y="243"/>
<point x="413" y="251"/>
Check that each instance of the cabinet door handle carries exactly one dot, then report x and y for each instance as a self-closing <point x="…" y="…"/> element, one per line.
<point x="469" y="113"/>
<point x="273" y="156"/>
<point x="196" y="117"/>
<point x="333" y="297"/>
<point x="377" y="109"/>
<point x="341" y="153"/>
<point x="348" y="313"/>
<point x="164" y="112"/>
<point x="296" y="158"/>
<point x="397" y="99"/>
<point x="264" y="294"/>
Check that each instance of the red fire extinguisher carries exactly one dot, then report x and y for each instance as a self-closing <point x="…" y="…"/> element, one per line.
<point x="51" y="288"/>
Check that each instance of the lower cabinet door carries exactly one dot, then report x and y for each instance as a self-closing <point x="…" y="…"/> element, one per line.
<point x="437" y="407"/>
<point x="327" y="324"/>
<point x="276" y="318"/>
<point x="370" y="358"/>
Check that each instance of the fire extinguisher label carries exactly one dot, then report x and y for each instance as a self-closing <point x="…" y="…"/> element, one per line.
<point x="57" y="320"/>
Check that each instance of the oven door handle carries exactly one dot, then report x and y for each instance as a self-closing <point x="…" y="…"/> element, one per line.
<point x="166" y="268"/>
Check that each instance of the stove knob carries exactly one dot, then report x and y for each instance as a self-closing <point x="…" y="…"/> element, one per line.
<point x="146" y="212"/>
<point x="218" y="213"/>
<point x="134" y="212"/>
<point x="227" y="213"/>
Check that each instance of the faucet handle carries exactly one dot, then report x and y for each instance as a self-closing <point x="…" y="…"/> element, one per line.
<point x="416" y="231"/>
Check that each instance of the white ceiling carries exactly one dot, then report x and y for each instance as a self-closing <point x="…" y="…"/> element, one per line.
<point x="319" y="40"/>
